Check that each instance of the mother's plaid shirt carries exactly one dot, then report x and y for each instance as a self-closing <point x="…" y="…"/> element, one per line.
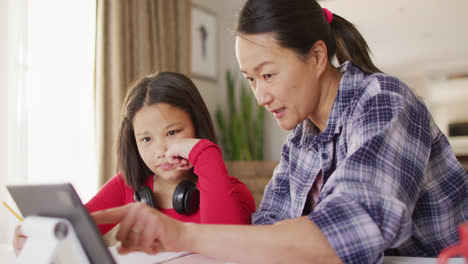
<point x="391" y="179"/>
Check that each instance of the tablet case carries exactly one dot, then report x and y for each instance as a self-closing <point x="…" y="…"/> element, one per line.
<point x="61" y="200"/>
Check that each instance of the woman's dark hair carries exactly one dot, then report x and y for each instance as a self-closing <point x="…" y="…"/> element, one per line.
<point x="166" y="87"/>
<point x="298" y="24"/>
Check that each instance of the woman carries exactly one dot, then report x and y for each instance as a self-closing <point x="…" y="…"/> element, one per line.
<point x="365" y="170"/>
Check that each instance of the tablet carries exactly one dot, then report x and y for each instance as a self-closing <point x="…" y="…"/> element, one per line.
<point x="61" y="200"/>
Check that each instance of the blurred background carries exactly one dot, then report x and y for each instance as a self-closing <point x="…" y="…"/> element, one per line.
<point x="65" y="65"/>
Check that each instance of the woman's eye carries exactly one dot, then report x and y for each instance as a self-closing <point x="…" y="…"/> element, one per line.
<point x="172" y="132"/>
<point x="267" y="76"/>
<point x="146" y="139"/>
<point x="250" y="79"/>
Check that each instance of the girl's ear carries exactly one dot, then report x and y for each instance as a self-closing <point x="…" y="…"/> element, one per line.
<point x="318" y="55"/>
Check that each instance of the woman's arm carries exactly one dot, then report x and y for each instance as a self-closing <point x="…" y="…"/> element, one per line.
<point x="296" y="240"/>
<point x="290" y="241"/>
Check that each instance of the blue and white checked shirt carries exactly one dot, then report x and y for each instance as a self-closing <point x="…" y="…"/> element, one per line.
<point x="391" y="179"/>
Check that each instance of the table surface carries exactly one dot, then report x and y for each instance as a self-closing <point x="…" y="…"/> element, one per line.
<point x="7" y="256"/>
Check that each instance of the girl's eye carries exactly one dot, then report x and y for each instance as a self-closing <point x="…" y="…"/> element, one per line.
<point x="267" y="76"/>
<point x="250" y="79"/>
<point x="146" y="139"/>
<point x="173" y="132"/>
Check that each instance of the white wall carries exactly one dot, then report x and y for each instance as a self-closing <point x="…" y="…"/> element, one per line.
<point x="448" y="100"/>
<point x="210" y="88"/>
<point x="215" y="92"/>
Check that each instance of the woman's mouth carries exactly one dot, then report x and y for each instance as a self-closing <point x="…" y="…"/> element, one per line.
<point x="279" y="112"/>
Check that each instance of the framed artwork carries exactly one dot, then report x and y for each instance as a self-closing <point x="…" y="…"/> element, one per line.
<point x="204" y="44"/>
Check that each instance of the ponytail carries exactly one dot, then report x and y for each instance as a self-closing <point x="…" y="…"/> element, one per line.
<point x="298" y="24"/>
<point x="350" y="45"/>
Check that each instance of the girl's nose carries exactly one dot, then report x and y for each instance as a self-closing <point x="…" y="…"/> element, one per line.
<point x="160" y="148"/>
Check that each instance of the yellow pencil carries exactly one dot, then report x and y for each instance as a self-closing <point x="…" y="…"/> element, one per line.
<point x="12" y="211"/>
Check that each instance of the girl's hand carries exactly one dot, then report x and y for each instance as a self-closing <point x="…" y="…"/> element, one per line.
<point x="178" y="152"/>
<point x="143" y="228"/>
<point x="18" y="240"/>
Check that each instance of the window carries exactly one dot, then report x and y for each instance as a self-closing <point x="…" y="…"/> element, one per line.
<point x="50" y="89"/>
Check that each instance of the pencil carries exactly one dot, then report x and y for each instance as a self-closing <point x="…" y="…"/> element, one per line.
<point x="12" y="211"/>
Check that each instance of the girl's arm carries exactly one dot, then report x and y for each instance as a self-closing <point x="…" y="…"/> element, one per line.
<point x="223" y="199"/>
<point x="112" y="194"/>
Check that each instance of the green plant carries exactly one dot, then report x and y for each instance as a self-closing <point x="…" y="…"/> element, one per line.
<point x="241" y="132"/>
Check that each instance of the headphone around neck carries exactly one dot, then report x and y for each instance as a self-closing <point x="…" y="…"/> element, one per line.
<point x="185" y="199"/>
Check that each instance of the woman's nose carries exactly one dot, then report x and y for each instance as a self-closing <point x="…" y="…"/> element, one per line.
<point x="262" y="95"/>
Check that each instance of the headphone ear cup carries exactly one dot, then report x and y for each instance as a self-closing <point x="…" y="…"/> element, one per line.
<point x="186" y="198"/>
<point x="144" y="194"/>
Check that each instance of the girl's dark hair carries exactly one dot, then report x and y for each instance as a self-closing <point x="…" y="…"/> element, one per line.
<point x="166" y="87"/>
<point x="298" y="24"/>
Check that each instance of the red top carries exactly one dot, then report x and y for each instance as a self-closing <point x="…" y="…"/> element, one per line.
<point x="223" y="199"/>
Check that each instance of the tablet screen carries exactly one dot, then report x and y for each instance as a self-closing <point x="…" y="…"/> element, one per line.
<point x="61" y="200"/>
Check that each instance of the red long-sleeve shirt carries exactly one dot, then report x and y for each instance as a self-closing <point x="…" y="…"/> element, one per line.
<point x="223" y="199"/>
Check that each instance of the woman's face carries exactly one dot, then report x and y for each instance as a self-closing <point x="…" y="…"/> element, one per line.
<point x="285" y="84"/>
<point x="156" y="127"/>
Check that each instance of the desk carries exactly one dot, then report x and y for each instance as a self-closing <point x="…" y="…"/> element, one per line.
<point x="7" y="256"/>
<point x="199" y="259"/>
<point x="413" y="260"/>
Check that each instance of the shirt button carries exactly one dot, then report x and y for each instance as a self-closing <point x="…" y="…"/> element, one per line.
<point x="324" y="156"/>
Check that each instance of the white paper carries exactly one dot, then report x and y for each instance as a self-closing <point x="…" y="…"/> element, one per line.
<point x="7" y="254"/>
<point x="143" y="258"/>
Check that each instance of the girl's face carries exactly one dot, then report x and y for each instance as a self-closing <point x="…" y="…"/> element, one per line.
<point x="156" y="127"/>
<point x="285" y="84"/>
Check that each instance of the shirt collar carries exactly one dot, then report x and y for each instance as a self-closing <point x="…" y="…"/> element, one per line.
<point x="305" y="133"/>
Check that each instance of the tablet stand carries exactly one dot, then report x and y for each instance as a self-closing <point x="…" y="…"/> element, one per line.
<point x="50" y="240"/>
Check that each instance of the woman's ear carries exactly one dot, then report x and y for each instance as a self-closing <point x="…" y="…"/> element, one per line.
<point x="318" y="55"/>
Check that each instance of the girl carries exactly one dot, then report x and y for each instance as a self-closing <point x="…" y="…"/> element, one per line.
<point x="167" y="141"/>
<point x="166" y="144"/>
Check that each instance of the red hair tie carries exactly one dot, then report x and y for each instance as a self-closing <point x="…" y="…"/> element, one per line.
<point x="328" y="15"/>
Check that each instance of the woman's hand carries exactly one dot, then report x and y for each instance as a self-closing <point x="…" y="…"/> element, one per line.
<point x="143" y="228"/>
<point x="178" y="152"/>
<point x="18" y="240"/>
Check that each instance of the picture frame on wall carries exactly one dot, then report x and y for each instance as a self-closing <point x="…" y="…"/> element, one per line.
<point x="204" y="43"/>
